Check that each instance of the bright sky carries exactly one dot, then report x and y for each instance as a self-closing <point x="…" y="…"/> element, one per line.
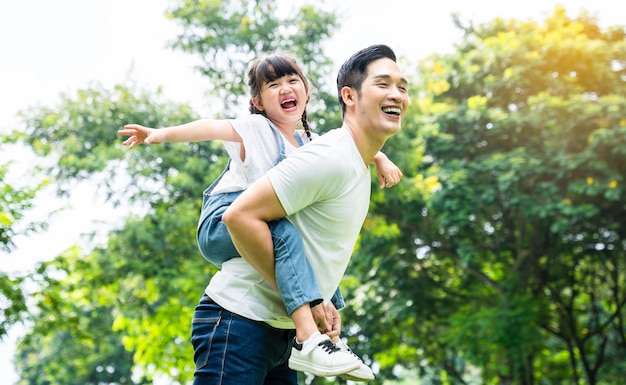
<point x="53" y="47"/>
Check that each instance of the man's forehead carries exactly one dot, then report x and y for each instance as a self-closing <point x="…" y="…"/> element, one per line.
<point x="386" y="69"/>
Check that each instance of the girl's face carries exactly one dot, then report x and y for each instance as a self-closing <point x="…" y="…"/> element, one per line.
<point x="283" y="100"/>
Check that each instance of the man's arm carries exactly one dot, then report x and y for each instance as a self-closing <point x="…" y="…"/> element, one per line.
<point x="247" y="218"/>
<point x="247" y="221"/>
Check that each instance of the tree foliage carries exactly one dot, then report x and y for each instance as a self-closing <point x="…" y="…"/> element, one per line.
<point x="71" y="340"/>
<point x="507" y="260"/>
<point x="16" y="200"/>
<point x="499" y="259"/>
<point x="104" y="293"/>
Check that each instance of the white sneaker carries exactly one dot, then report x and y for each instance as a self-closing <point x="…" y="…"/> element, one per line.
<point x="319" y="356"/>
<point x="362" y="374"/>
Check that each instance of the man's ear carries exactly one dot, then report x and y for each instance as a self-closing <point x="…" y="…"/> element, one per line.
<point x="348" y="94"/>
<point x="257" y="103"/>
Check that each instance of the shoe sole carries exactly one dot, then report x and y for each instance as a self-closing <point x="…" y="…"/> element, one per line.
<point x="347" y="376"/>
<point x="322" y="371"/>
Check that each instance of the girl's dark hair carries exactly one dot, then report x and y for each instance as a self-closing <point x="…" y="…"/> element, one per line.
<point x="270" y="67"/>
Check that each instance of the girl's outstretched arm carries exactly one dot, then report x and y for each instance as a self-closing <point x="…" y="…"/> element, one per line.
<point x="196" y="131"/>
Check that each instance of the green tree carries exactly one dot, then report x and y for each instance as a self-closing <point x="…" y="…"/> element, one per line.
<point x="71" y="340"/>
<point x="103" y="289"/>
<point x="16" y="200"/>
<point x="506" y="263"/>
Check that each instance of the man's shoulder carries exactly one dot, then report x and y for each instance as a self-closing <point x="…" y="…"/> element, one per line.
<point x="334" y="133"/>
<point x="332" y="138"/>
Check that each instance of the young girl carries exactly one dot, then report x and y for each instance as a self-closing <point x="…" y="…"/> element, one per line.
<point x="255" y="143"/>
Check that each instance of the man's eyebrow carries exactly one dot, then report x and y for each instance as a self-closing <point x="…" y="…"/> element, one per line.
<point x="388" y="77"/>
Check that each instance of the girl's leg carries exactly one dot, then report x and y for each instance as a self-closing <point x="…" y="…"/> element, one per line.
<point x="312" y="352"/>
<point x="305" y="324"/>
<point x="212" y="235"/>
<point x="294" y="274"/>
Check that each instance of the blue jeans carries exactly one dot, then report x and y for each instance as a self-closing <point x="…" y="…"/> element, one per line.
<point x="294" y="274"/>
<point x="233" y="350"/>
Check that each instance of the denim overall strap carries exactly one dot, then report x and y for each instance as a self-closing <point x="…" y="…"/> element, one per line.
<point x="281" y="142"/>
<point x="216" y="181"/>
<point x="298" y="139"/>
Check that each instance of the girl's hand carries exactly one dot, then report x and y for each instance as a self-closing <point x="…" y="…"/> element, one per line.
<point x="388" y="173"/>
<point x="140" y="135"/>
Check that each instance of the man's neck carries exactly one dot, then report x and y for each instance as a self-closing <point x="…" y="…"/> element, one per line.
<point x="367" y="146"/>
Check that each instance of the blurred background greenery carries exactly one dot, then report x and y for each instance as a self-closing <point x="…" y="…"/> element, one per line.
<point x="497" y="260"/>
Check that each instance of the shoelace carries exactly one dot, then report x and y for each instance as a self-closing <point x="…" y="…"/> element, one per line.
<point x="347" y="349"/>
<point x="329" y="347"/>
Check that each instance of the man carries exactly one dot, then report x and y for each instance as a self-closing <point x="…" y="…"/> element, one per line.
<point x="242" y="333"/>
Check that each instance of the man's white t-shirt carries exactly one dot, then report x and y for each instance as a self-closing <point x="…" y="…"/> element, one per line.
<point x="324" y="187"/>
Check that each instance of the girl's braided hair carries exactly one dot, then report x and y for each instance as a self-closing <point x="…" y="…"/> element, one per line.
<point x="270" y="67"/>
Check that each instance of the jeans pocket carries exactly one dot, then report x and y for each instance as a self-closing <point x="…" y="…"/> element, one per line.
<point x="205" y="335"/>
